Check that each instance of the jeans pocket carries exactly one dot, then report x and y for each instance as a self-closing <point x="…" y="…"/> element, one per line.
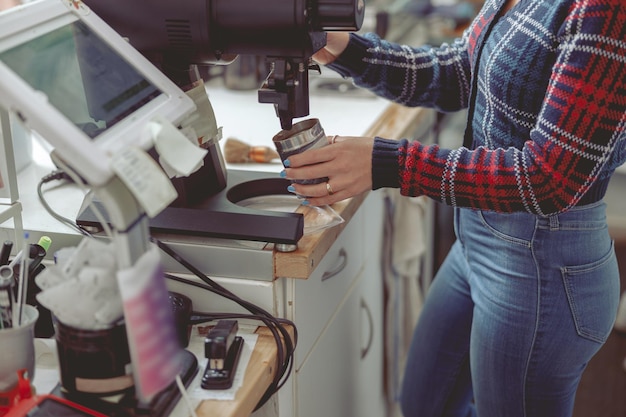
<point x="593" y="296"/>
<point x="516" y="228"/>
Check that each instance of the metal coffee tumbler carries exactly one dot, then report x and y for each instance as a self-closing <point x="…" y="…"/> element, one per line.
<point x="307" y="134"/>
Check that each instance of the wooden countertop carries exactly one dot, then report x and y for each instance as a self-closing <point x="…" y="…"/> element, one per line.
<point x="395" y="122"/>
<point x="259" y="375"/>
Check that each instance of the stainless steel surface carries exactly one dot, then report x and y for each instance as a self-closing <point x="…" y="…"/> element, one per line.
<point x="304" y="135"/>
<point x="286" y="248"/>
<point x="307" y="132"/>
<point x="221" y="257"/>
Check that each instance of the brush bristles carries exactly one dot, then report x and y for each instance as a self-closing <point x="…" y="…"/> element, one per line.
<point x="236" y="151"/>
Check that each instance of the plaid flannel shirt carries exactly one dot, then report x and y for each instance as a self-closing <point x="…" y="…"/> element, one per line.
<point x="545" y="88"/>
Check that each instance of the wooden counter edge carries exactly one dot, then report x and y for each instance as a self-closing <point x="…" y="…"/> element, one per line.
<point x="258" y="376"/>
<point x="395" y="122"/>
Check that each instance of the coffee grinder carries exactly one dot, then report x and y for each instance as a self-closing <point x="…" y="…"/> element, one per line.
<point x="181" y="37"/>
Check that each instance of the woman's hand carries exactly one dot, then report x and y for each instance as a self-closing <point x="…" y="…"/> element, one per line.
<point x="336" y="43"/>
<point x="346" y="161"/>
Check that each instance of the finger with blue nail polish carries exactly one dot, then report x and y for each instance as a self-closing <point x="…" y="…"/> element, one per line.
<point x="287" y="163"/>
<point x="283" y="174"/>
<point x="291" y="189"/>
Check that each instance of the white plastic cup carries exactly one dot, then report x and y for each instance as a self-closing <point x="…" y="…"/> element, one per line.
<point x="17" y="349"/>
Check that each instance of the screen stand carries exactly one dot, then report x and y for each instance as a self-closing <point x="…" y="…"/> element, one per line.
<point x="220" y="216"/>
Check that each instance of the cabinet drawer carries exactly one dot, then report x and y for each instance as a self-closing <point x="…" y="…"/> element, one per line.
<point x="261" y="293"/>
<point x="316" y="298"/>
<point x="327" y="381"/>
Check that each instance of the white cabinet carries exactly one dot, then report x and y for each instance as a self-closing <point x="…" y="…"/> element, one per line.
<point x="338" y="312"/>
<point x="342" y="376"/>
<point x="369" y="377"/>
<point x="316" y="299"/>
<point x="339" y="358"/>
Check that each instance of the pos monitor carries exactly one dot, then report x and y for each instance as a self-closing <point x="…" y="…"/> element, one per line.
<point x="70" y="77"/>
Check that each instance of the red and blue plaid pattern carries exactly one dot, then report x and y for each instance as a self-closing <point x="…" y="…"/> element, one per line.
<point x="546" y="89"/>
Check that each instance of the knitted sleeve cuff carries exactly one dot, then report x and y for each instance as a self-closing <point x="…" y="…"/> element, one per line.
<point x="351" y="61"/>
<point x="385" y="165"/>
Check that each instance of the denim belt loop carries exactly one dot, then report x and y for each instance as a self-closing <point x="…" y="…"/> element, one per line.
<point x="554" y="222"/>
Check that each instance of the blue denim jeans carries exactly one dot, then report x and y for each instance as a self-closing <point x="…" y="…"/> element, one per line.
<point x="515" y="313"/>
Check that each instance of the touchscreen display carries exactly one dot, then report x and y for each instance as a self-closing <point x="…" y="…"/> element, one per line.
<point x="81" y="76"/>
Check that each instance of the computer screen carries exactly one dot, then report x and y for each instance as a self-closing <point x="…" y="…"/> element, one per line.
<point x="68" y="75"/>
<point x="81" y="76"/>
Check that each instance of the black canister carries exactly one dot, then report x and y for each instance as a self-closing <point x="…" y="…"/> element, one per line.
<point x="94" y="361"/>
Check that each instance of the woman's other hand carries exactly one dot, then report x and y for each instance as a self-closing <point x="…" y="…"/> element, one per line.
<point x="346" y="161"/>
<point x="336" y="43"/>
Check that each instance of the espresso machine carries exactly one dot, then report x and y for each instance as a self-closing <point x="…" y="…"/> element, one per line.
<point x="180" y="37"/>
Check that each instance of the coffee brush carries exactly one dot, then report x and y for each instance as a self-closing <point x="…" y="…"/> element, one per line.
<point x="237" y="151"/>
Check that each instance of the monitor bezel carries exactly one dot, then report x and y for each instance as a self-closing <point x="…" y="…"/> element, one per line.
<point x="89" y="157"/>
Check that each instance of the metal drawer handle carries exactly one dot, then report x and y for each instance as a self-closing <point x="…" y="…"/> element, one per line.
<point x="344" y="261"/>
<point x="370" y="335"/>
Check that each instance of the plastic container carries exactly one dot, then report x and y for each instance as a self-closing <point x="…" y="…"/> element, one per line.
<point x="18" y="350"/>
